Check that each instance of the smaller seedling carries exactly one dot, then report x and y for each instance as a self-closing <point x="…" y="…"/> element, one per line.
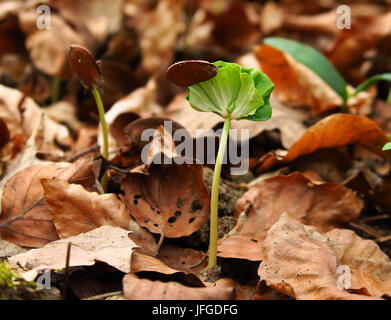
<point x="232" y="92"/>
<point x="83" y="64"/>
<point x="387" y="146"/>
<point x="319" y="64"/>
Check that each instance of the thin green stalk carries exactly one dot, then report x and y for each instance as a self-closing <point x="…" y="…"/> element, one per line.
<point x="55" y="89"/>
<point x="214" y="205"/>
<point x="102" y="119"/>
<point x="389" y="96"/>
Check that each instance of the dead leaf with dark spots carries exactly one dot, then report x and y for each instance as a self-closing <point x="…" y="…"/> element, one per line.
<point x="323" y="205"/>
<point x="333" y="131"/>
<point x="303" y="264"/>
<point x="152" y="198"/>
<point x="135" y="288"/>
<point x="107" y="244"/>
<point x="166" y="197"/>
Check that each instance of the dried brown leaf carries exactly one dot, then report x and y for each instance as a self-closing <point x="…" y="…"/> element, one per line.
<point x="26" y="219"/>
<point x="144" y="289"/>
<point x="334" y="131"/>
<point x="169" y="199"/>
<point x="297" y="85"/>
<point x="302" y="263"/>
<point x="106" y="244"/>
<point x="323" y="205"/>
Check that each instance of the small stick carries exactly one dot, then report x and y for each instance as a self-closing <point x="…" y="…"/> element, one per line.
<point x="365" y="229"/>
<point x="83" y="153"/>
<point x="378" y="217"/>
<point x="383" y="239"/>
<point x="66" y="279"/>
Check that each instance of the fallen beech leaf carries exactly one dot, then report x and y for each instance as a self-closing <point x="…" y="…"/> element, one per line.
<point x="75" y="210"/>
<point x="144" y="289"/>
<point x="107" y="244"/>
<point x="302" y="263"/>
<point x="185" y="259"/>
<point x="169" y="199"/>
<point x="23" y="116"/>
<point x="370" y="267"/>
<point x="323" y="205"/>
<point x="298" y="85"/>
<point x="334" y="131"/>
<point x="144" y="263"/>
<point x="241" y="292"/>
<point x="26" y="219"/>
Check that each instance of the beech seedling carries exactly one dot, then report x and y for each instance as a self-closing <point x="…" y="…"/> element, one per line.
<point x="83" y="64"/>
<point x="232" y="92"/>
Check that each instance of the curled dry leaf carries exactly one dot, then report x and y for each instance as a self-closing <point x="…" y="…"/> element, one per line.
<point x="75" y="210"/>
<point x="323" y="205"/>
<point x="334" y="131"/>
<point x="185" y="259"/>
<point x="302" y="263"/>
<point x="144" y="289"/>
<point x="22" y="116"/>
<point x="107" y="244"/>
<point x="26" y="219"/>
<point x="298" y="85"/>
<point x="147" y="264"/>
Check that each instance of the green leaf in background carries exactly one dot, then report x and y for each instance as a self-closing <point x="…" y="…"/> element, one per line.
<point x="387" y="146"/>
<point x="313" y="60"/>
<point x="235" y="91"/>
<point x="372" y="80"/>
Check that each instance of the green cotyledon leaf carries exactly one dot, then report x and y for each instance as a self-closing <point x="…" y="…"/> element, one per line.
<point x="241" y="93"/>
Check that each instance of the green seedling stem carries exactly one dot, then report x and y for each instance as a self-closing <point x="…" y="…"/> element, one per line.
<point x="105" y="152"/>
<point x="214" y="206"/>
